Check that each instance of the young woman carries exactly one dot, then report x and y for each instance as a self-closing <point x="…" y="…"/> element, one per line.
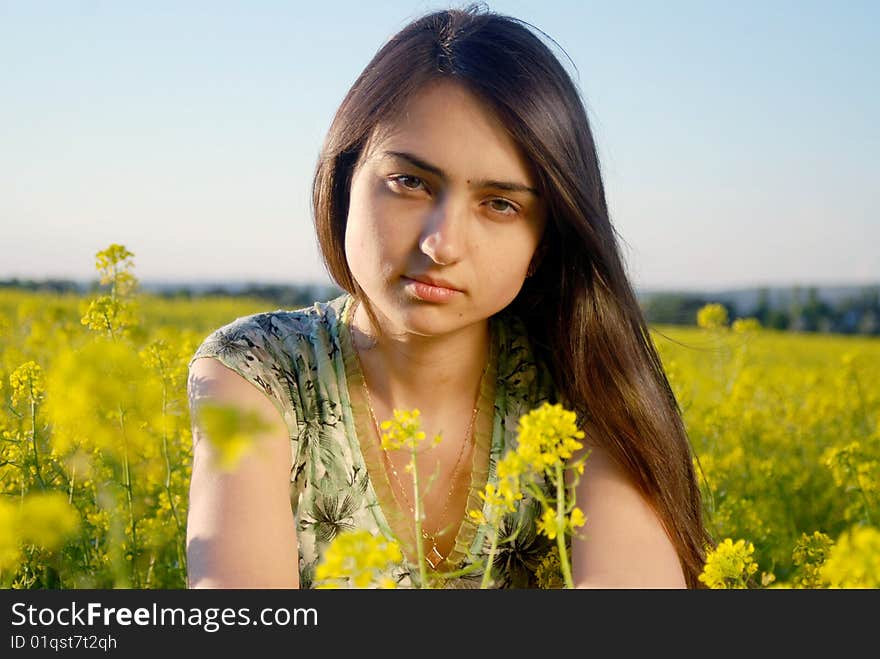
<point x="459" y="204"/>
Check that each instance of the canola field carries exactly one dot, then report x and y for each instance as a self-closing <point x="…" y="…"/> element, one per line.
<point x="95" y="440"/>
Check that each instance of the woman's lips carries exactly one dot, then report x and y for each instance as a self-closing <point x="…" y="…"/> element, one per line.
<point x="430" y="292"/>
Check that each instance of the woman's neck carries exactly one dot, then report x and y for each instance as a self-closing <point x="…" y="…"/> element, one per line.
<point x="409" y="371"/>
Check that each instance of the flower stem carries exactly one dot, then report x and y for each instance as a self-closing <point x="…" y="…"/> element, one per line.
<point x="853" y="472"/>
<point x="417" y="508"/>
<point x="560" y="527"/>
<point x="34" y="442"/>
<point x="129" y="494"/>
<point x="487" y="574"/>
<point x="180" y="539"/>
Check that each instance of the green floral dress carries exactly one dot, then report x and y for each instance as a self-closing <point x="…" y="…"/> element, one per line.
<point x="304" y="361"/>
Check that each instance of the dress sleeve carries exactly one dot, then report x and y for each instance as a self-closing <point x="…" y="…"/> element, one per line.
<point x="248" y="347"/>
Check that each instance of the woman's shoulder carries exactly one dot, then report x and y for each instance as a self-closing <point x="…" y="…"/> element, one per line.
<point x="278" y="332"/>
<point x="276" y="350"/>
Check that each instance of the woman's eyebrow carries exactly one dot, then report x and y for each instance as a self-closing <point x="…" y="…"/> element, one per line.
<point x="415" y="161"/>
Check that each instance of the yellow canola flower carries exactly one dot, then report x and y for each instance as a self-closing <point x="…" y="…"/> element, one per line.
<point x="511" y="467"/>
<point x="357" y="558"/>
<point x="44" y="519"/>
<point x="809" y="555"/>
<point x="549" y="571"/>
<point x="503" y="496"/>
<point x="745" y="325"/>
<point x="729" y="565"/>
<point x="158" y="355"/>
<point x="108" y="315"/>
<point x="577" y="518"/>
<point x="102" y="396"/>
<point x="27" y="383"/>
<point x="854" y="560"/>
<point x="852" y="463"/>
<point x="712" y="316"/>
<point x="404" y="431"/>
<point x="231" y="432"/>
<point x="548" y="436"/>
<point x="114" y="264"/>
<point x="546" y="523"/>
<point x="8" y="535"/>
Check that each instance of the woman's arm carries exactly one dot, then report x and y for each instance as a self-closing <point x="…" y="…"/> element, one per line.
<point x="240" y="528"/>
<point x="624" y="544"/>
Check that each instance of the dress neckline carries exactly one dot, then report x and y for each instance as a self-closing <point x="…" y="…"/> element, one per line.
<point x="367" y="454"/>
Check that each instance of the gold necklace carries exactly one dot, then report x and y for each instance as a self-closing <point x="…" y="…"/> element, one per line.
<point x="434" y="557"/>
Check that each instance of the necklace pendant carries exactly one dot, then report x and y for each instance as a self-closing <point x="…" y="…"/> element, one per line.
<point x="434" y="557"/>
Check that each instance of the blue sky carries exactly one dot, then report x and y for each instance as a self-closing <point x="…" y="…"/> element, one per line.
<point x="739" y="141"/>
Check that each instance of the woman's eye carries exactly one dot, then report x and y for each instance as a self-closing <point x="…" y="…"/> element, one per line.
<point x="503" y="206"/>
<point x="407" y="182"/>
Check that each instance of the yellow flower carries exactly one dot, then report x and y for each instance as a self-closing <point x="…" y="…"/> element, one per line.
<point x="159" y="356"/>
<point x="809" y="555"/>
<point x="746" y="325"/>
<point x="114" y="264"/>
<point x="44" y="519"/>
<point x="510" y="467"/>
<point x="27" y="383"/>
<point x="357" y="558"/>
<point x="546" y="524"/>
<point x="502" y="497"/>
<point x="403" y="431"/>
<point x="712" y="316"/>
<point x="8" y="534"/>
<point x="96" y="391"/>
<point x="854" y="560"/>
<point x="232" y="433"/>
<point x="362" y="579"/>
<point x="549" y="571"/>
<point x="730" y="565"/>
<point x="111" y="316"/>
<point x="548" y="436"/>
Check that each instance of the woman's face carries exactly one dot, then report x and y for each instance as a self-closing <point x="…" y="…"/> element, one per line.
<point x="444" y="195"/>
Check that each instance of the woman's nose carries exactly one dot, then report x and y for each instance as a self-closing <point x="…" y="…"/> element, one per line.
<point x="443" y="238"/>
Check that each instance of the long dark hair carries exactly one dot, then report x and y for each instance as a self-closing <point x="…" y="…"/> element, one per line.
<point x="583" y="318"/>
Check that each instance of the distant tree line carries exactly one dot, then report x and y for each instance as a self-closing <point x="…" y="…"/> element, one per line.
<point x="283" y="295"/>
<point x="50" y="285"/>
<point x="804" y="310"/>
